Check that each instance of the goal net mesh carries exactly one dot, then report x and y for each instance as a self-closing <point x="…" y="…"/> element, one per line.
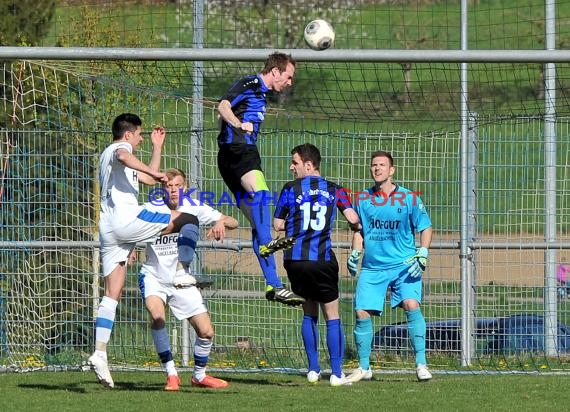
<point x="56" y="118"/>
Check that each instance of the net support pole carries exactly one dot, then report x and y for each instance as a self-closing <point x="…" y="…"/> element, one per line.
<point x="196" y="141"/>
<point x="550" y="293"/>
<point x="471" y="259"/>
<point x="467" y="320"/>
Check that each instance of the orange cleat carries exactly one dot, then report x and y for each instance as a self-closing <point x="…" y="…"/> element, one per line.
<point x="172" y="383"/>
<point x="210" y="382"/>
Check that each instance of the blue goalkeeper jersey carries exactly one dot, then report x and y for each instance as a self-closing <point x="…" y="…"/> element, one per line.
<point x="248" y="101"/>
<point x="308" y="206"/>
<point x="389" y="225"/>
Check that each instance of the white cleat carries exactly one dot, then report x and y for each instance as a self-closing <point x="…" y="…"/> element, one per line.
<point x="183" y="279"/>
<point x="101" y="369"/>
<point x="342" y="381"/>
<point x="360" y="374"/>
<point x="423" y="373"/>
<point x="313" y="377"/>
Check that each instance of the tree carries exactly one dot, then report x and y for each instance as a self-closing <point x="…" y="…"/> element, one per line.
<point x="25" y="21"/>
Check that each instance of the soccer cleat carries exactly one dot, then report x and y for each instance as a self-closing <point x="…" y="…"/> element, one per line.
<point x="203" y="281"/>
<point x="360" y="374"/>
<point x="99" y="365"/>
<point x="210" y="382"/>
<point x="283" y="295"/>
<point x="184" y="281"/>
<point x="275" y="245"/>
<point x="423" y="373"/>
<point x="172" y="383"/>
<point x="342" y="381"/>
<point x="313" y="377"/>
<point x="183" y="278"/>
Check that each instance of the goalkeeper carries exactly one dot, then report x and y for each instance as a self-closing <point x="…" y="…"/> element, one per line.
<point x="390" y="215"/>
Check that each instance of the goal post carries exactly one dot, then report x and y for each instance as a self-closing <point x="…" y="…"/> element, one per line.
<point x="57" y="111"/>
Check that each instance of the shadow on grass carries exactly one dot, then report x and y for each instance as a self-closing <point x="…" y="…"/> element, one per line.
<point x="268" y="382"/>
<point x="76" y="388"/>
<point x="86" y="386"/>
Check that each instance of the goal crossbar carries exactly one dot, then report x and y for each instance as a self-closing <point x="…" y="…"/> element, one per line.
<point x="336" y="55"/>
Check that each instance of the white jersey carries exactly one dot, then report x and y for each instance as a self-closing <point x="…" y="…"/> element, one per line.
<point x="122" y="222"/>
<point x="162" y="254"/>
<point x="119" y="184"/>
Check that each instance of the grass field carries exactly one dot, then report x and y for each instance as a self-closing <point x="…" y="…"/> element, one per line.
<point x="142" y="391"/>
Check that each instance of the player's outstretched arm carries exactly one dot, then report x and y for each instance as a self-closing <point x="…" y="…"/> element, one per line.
<point x="218" y="231"/>
<point x="157" y="137"/>
<point x="227" y="114"/>
<point x="352" y="218"/>
<point x="148" y="176"/>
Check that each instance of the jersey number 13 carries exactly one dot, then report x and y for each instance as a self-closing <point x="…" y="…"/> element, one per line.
<point x="318" y="221"/>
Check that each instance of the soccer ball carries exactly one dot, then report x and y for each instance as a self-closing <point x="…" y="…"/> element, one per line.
<point x="319" y="35"/>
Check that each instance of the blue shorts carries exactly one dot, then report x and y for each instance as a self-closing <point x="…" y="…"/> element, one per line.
<point x="373" y="284"/>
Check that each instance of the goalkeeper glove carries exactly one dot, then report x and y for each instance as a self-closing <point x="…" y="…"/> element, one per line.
<point x="352" y="263"/>
<point x="418" y="263"/>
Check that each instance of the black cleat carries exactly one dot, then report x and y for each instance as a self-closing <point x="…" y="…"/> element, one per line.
<point x="275" y="245"/>
<point x="283" y="295"/>
<point x="203" y="281"/>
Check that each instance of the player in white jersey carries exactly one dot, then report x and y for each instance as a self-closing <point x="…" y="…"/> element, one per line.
<point x="155" y="282"/>
<point x="123" y="223"/>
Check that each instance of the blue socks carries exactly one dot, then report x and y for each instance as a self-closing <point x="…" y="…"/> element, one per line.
<point x="187" y="240"/>
<point x="261" y="234"/>
<point x="258" y="210"/>
<point x="267" y="264"/>
<point x="310" y="333"/>
<point x="335" y="344"/>
<point x="417" y="334"/>
<point x="261" y="216"/>
<point x="363" y="338"/>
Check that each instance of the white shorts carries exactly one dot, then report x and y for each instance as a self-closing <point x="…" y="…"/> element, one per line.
<point x="184" y="303"/>
<point x="120" y="232"/>
<point x="113" y="255"/>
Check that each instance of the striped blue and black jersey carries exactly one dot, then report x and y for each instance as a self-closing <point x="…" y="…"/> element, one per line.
<point x="308" y="206"/>
<point x="248" y="99"/>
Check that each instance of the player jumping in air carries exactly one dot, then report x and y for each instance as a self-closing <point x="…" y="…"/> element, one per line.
<point x="242" y="110"/>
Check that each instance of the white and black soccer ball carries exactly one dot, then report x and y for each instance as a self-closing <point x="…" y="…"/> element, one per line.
<point x="319" y="35"/>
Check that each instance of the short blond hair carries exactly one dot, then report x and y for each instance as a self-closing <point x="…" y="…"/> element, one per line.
<point x="173" y="172"/>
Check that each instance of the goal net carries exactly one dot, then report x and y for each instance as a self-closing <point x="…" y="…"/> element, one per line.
<point x="56" y="118"/>
<point x="56" y="122"/>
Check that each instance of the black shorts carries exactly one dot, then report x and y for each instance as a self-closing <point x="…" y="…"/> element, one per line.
<point x="236" y="160"/>
<point x="314" y="280"/>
